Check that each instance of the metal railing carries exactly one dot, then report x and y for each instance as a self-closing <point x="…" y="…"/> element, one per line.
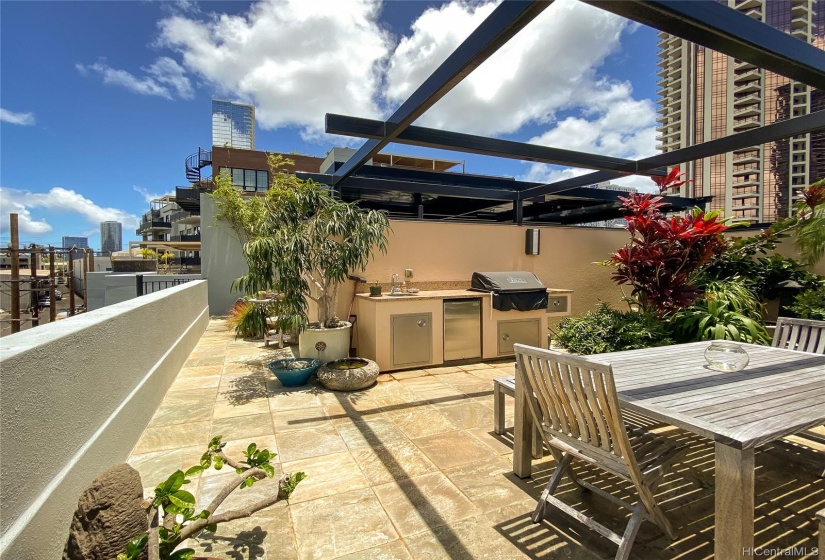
<point x="145" y="286"/>
<point x="186" y="237"/>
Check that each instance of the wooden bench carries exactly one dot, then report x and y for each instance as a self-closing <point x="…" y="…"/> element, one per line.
<point x="507" y="386"/>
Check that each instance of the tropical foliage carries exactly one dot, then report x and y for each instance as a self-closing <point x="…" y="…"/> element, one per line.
<point x="609" y="330"/>
<point x="248" y="320"/>
<point x="728" y="310"/>
<point x="663" y="253"/>
<point x="300" y="241"/>
<point x="171" y="512"/>
<point x="810" y="304"/>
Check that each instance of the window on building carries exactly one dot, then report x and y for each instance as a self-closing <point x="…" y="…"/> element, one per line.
<point x="250" y="180"/>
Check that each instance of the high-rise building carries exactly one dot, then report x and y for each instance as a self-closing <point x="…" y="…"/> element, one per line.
<point x="79" y="242"/>
<point x="705" y="95"/>
<point x="233" y="125"/>
<point x="75" y="242"/>
<point x="111" y="237"/>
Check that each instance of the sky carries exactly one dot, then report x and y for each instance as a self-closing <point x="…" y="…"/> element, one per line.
<point x="101" y="102"/>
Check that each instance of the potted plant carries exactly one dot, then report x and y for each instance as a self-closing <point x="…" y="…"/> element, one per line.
<point x="171" y="512"/>
<point x="302" y="242"/>
<point x="375" y="289"/>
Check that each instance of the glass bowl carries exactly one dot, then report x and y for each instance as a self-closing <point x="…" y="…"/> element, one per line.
<point x="726" y="356"/>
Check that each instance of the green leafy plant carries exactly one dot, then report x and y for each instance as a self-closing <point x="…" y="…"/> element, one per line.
<point x="171" y="512"/>
<point x="609" y="330"/>
<point x="300" y="241"/>
<point x="810" y="304"/>
<point x="727" y="311"/>
<point x="248" y="320"/>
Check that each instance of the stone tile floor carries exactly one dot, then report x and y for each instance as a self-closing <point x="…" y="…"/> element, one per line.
<point x="410" y="468"/>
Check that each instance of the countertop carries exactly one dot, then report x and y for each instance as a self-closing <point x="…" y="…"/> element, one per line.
<point x="443" y="294"/>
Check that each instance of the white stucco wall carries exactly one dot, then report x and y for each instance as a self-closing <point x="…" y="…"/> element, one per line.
<point x="76" y="396"/>
<point x="222" y="258"/>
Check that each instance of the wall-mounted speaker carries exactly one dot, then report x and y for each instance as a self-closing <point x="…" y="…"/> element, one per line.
<point x="531" y="246"/>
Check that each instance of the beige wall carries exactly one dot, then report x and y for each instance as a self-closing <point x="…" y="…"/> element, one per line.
<point x="76" y="396"/>
<point x="450" y="251"/>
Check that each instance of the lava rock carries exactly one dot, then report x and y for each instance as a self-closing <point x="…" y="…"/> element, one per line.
<point x="108" y="514"/>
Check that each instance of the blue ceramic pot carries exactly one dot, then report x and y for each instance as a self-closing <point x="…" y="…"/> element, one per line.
<point x="293" y="377"/>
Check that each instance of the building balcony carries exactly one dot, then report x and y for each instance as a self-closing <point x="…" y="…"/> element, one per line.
<point x="185" y="217"/>
<point x="153" y="225"/>
<point x="192" y="237"/>
<point x="748" y="87"/>
<point x="743" y="184"/>
<point x="747" y="111"/>
<point x="746" y="99"/>
<point x="747" y="124"/>
<point x="189" y="198"/>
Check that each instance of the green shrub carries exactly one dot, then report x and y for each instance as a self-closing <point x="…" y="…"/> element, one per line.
<point x="728" y="310"/>
<point x="248" y="320"/>
<point x="810" y="304"/>
<point x="609" y="330"/>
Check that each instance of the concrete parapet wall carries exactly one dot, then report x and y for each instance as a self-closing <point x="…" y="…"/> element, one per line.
<point x="76" y="396"/>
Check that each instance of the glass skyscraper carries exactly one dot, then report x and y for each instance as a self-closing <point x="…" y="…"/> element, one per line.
<point x="111" y="237"/>
<point x="75" y="242"/>
<point x="705" y="95"/>
<point x="233" y="125"/>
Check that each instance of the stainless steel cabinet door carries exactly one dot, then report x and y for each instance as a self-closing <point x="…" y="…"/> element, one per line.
<point x="412" y="339"/>
<point x="462" y="329"/>
<point x="522" y="331"/>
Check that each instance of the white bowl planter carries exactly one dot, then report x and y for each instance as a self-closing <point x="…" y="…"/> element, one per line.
<point x="325" y="344"/>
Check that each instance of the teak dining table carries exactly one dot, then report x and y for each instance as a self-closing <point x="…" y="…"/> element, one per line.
<point x="779" y="393"/>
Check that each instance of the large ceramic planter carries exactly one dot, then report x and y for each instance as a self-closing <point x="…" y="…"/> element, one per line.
<point x="325" y="344"/>
<point x="348" y="374"/>
<point x="293" y="372"/>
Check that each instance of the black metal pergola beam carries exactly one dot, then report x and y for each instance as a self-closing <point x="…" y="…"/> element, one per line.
<point x="507" y="19"/>
<point x="472" y="144"/>
<point x="768" y="133"/>
<point x="718" y="27"/>
<point x="412" y="186"/>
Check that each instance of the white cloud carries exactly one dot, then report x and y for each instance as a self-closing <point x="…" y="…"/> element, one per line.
<point x="550" y="65"/>
<point x="11" y="117"/>
<point x="10" y="202"/>
<point x="57" y="200"/>
<point x="164" y="76"/>
<point x="148" y="196"/>
<point x="295" y="60"/>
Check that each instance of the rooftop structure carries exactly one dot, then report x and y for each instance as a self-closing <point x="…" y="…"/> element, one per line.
<point x="233" y="124"/>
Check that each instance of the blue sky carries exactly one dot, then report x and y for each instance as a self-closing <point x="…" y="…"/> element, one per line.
<point x="102" y="101"/>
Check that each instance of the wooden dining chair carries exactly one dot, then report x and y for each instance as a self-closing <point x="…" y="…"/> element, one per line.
<point x="574" y="401"/>
<point x="804" y="335"/>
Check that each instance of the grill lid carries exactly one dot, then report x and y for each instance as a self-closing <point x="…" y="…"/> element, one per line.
<point x="518" y="281"/>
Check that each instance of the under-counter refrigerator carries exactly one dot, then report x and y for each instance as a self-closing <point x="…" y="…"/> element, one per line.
<point x="462" y="329"/>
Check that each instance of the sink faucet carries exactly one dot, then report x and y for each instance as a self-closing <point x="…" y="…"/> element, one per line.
<point x="394" y="284"/>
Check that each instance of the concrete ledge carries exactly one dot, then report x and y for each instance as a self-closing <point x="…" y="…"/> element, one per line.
<point x="76" y="396"/>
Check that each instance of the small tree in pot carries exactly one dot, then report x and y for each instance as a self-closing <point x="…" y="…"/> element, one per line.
<point x="300" y="241"/>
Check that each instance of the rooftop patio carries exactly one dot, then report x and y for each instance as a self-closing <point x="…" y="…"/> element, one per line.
<point x="411" y="468"/>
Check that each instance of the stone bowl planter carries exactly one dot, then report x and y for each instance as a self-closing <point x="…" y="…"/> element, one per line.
<point x="348" y="374"/>
<point x="293" y="372"/>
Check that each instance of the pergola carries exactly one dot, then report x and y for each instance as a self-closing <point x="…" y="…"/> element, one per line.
<point x="433" y="195"/>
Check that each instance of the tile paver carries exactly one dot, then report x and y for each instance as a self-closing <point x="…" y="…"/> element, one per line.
<point x="411" y="468"/>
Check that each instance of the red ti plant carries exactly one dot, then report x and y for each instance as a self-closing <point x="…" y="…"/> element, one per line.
<point x="664" y="252"/>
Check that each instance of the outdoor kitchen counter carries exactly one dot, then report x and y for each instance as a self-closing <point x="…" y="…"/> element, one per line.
<point x="403" y="332"/>
<point x="444" y="294"/>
